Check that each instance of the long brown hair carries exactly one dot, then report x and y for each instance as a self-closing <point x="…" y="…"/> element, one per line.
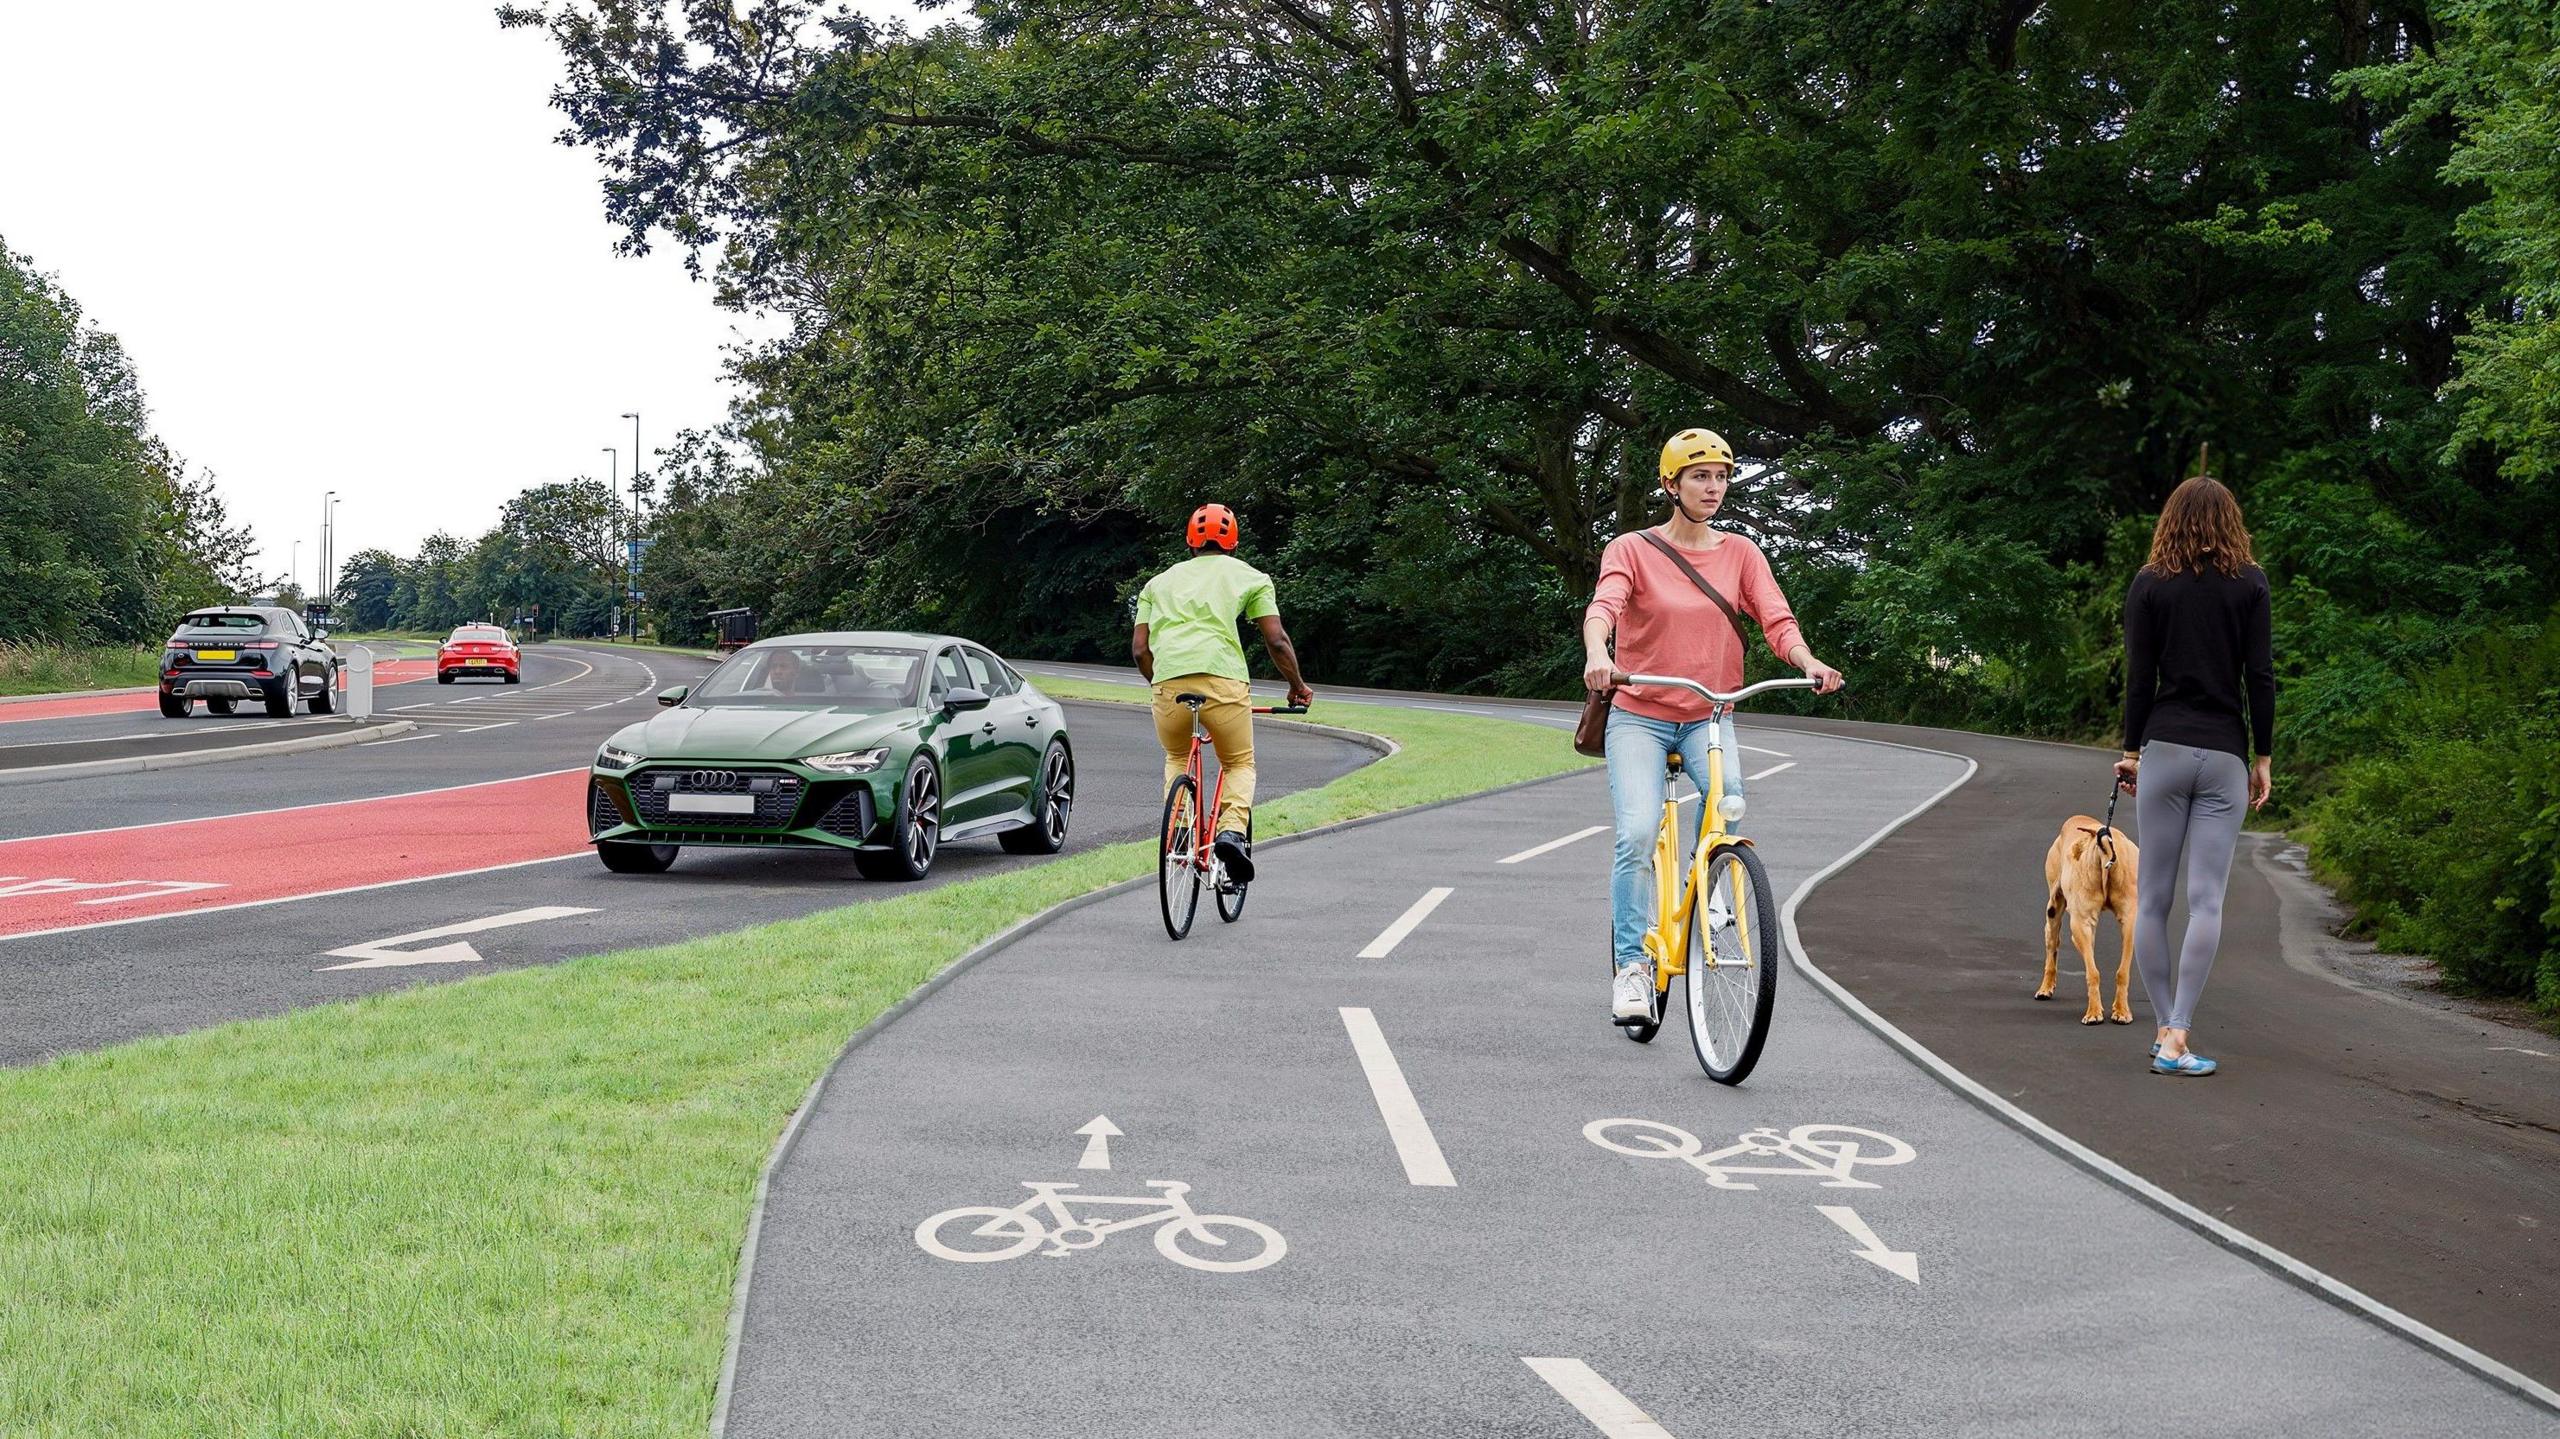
<point x="2200" y="526"/>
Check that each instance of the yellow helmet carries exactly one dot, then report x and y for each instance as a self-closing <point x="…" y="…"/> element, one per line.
<point x="1694" y="447"/>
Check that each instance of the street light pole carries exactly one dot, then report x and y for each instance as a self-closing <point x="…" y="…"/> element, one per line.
<point x="613" y="492"/>
<point x="329" y="577"/>
<point x="328" y="506"/>
<point x="630" y="548"/>
<point x="293" y="568"/>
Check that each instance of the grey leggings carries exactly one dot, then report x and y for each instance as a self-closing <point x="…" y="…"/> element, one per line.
<point x="2189" y="802"/>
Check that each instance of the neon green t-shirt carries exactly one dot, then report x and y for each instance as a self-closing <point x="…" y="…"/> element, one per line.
<point x="1191" y="610"/>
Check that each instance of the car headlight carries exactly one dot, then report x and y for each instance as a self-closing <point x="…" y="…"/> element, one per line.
<point x="852" y="761"/>
<point x="615" y="757"/>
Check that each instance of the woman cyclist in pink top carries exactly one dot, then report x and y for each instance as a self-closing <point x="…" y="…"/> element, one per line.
<point x="1665" y="625"/>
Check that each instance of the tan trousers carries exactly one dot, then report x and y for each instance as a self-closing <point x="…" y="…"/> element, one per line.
<point x="1228" y="716"/>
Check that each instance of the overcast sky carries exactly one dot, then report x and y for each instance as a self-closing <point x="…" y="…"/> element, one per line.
<point x="343" y="253"/>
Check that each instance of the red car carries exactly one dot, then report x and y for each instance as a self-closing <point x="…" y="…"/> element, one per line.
<point x="478" y="650"/>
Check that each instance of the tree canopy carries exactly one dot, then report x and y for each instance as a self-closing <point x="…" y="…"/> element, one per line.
<point x="103" y="537"/>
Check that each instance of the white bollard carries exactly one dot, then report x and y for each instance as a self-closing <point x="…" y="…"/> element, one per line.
<point x="359" y="673"/>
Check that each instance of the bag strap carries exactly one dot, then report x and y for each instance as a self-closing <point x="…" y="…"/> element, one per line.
<point x="1700" y="581"/>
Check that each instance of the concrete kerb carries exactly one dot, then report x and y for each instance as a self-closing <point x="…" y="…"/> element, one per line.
<point x="993" y="945"/>
<point x="2257" y="1251"/>
<point x="135" y="764"/>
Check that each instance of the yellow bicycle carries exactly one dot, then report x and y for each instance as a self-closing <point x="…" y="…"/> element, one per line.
<point x="1714" y="919"/>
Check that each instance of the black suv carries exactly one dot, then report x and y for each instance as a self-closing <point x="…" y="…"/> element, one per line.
<point x="247" y="652"/>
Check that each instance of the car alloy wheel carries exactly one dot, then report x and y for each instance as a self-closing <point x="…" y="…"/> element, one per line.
<point x="1058" y="789"/>
<point x="924" y="818"/>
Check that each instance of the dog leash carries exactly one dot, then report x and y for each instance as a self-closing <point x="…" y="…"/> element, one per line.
<point x="2107" y="827"/>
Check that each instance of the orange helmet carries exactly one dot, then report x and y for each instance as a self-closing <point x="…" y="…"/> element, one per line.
<point x="1213" y="525"/>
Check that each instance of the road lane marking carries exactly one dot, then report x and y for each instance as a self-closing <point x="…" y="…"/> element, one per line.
<point x="297" y="898"/>
<point x="475" y="729"/>
<point x="1097" y="1144"/>
<point x="404" y="739"/>
<point x="1609" y="1411"/>
<point x="1405" y="924"/>
<point x="418" y="706"/>
<point x="1553" y="845"/>
<point x="1423" y="1163"/>
<point x="378" y="954"/>
<point x="1773" y="769"/>
<point x="1771" y="753"/>
<point x="1870" y="1248"/>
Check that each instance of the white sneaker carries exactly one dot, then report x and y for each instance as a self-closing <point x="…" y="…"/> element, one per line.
<point x="1631" y="997"/>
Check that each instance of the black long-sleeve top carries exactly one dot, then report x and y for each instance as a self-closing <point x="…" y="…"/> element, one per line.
<point x="2199" y="661"/>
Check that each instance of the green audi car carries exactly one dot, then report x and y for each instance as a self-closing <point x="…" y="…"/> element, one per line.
<point x="883" y="744"/>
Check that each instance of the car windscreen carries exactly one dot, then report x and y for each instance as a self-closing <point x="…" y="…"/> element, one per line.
<point x="813" y="676"/>
<point x="476" y="637"/>
<point x="223" y="626"/>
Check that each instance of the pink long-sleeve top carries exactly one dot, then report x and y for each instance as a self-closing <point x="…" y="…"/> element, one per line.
<point x="1666" y="627"/>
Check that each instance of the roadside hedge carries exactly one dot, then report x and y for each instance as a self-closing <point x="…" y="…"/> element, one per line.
<point x="2444" y="836"/>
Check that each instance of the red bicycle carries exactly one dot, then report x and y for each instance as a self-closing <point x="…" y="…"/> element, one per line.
<point x="1189" y="855"/>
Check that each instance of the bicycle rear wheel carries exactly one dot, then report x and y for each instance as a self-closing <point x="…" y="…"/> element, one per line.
<point x="1733" y="964"/>
<point x="1178" y="861"/>
<point x="1231" y="893"/>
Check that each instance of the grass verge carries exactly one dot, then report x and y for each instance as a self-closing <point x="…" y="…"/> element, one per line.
<point x="505" y="1206"/>
<point x="27" y="669"/>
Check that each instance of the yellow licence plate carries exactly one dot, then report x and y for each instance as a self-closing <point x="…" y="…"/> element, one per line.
<point x="217" y="654"/>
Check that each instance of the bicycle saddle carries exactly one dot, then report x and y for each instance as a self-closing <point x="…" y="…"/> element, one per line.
<point x="1671" y="763"/>
<point x="1188" y="698"/>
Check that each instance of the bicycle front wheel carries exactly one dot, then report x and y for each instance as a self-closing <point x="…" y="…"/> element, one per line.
<point x="1178" y="860"/>
<point x="1733" y="964"/>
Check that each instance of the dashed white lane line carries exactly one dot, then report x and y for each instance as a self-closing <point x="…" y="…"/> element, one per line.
<point x="404" y="739"/>
<point x="1609" y="1411"/>
<point x="475" y="729"/>
<point x="419" y="706"/>
<point x="1423" y="1163"/>
<point x="1393" y="935"/>
<point x="1771" y="753"/>
<point x="1773" y="769"/>
<point x="1551" y="846"/>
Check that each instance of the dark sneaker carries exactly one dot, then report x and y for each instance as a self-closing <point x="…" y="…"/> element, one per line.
<point x="1236" y="853"/>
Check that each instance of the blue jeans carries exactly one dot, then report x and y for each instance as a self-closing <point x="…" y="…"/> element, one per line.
<point x="1639" y="747"/>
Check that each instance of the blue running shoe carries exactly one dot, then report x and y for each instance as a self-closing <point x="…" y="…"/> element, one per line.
<point x="2190" y="1064"/>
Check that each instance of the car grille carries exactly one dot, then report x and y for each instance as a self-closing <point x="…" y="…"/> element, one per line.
<point x="776" y="794"/>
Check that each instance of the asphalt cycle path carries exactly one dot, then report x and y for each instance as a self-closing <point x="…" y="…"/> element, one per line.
<point x="2412" y="1151"/>
<point x="417" y="860"/>
<point x="1442" y="1195"/>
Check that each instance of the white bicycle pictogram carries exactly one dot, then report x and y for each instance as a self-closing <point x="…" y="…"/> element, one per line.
<point x="1829" y="1150"/>
<point x="1050" y="1216"/>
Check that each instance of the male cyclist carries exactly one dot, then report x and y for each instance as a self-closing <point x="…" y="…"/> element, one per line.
<point x="1653" y="604"/>
<point x="1185" y="643"/>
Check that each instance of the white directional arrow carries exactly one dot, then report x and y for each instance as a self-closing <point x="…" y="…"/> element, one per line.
<point x="1871" y="1249"/>
<point x="379" y="954"/>
<point x="1097" y="1146"/>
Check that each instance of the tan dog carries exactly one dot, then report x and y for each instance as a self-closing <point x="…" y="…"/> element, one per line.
<point x="2090" y="870"/>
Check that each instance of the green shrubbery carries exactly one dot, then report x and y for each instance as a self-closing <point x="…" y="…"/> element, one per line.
<point x="2445" y="835"/>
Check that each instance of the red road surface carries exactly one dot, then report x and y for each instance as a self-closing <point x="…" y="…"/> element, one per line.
<point x="51" y="882"/>
<point x="388" y="672"/>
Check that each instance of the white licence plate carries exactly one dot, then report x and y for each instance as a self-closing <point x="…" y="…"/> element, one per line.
<point x="711" y="803"/>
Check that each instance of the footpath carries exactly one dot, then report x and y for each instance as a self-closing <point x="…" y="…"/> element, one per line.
<point x="2412" y="1152"/>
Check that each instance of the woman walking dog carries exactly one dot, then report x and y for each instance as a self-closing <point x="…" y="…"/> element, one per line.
<point x="2199" y="696"/>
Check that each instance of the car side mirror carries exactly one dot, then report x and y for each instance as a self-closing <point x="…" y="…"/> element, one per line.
<point x="964" y="698"/>
<point x="674" y="694"/>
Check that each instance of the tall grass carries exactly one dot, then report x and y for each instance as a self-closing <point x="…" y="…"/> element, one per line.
<point x="39" y="669"/>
